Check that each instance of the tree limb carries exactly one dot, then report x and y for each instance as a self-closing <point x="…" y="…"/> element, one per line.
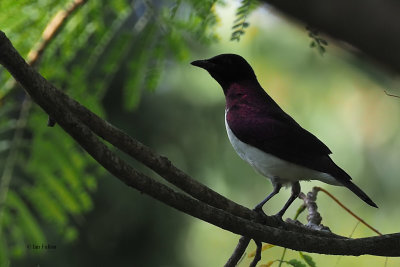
<point x="257" y="256"/>
<point x="372" y="26"/>
<point x="61" y="108"/>
<point x="239" y="251"/>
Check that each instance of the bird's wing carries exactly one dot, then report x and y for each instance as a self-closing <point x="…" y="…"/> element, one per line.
<point x="280" y="136"/>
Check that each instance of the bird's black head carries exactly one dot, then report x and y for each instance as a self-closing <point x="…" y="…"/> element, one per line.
<point x="227" y="69"/>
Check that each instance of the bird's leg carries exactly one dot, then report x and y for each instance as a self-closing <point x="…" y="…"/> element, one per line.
<point x="295" y="193"/>
<point x="277" y="187"/>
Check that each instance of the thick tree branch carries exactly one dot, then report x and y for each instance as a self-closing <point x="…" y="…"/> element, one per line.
<point x="134" y="148"/>
<point x="369" y="25"/>
<point x="157" y="163"/>
<point x="60" y="107"/>
<point x="163" y="166"/>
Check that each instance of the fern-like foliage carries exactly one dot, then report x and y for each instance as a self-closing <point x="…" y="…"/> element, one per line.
<point x="242" y="14"/>
<point x="46" y="180"/>
<point x="317" y="42"/>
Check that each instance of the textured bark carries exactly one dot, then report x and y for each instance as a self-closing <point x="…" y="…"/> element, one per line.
<point x="238" y="252"/>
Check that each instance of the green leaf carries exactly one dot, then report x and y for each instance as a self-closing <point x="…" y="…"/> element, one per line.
<point x="296" y="263"/>
<point x="70" y="234"/>
<point x="317" y="42"/>
<point x="239" y="18"/>
<point x="25" y="219"/>
<point x="241" y="12"/>
<point x="323" y="41"/>
<point x="321" y="50"/>
<point x="308" y="259"/>
<point x="3" y="252"/>
<point x="237" y="25"/>
<point x="238" y="32"/>
<point x="246" y="7"/>
<point x="174" y="8"/>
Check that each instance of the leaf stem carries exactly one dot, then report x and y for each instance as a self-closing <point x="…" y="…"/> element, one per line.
<point x="348" y="210"/>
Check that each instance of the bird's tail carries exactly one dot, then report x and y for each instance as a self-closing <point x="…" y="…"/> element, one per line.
<point x="343" y="178"/>
<point x="356" y="190"/>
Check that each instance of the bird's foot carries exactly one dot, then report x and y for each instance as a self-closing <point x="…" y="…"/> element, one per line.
<point x="319" y="227"/>
<point x="295" y="222"/>
<point x="277" y="217"/>
<point x="262" y="217"/>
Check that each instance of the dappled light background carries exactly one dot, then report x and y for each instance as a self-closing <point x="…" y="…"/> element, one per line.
<point x="337" y="96"/>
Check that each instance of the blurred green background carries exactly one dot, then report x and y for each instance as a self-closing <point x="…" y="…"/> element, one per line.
<point x="129" y="62"/>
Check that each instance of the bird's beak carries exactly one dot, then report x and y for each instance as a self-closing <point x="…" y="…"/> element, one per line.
<point x="205" y="64"/>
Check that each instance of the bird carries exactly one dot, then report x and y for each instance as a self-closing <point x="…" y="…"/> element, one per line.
<point x="269" y="139"/>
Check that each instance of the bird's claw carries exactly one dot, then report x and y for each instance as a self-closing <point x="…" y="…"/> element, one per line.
<point x="262" y="217"/>
<point x="295" y="222"/>
<point x="277" y="217"/>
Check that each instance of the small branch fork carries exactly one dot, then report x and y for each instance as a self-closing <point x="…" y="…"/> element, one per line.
<point x="199" y="201"/>
<point x="317" y="189"/>
<point x="392" y="95"/>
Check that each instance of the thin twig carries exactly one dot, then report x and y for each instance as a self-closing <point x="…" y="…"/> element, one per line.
<point x="296" y="216"/>
<point x="48" y="35"/>
<point x="354" y="229"/>
<point x="257" y="257"/>
<point x="52" y="29"/>
<point x="391" y="94"/>
<point x="350" y="235"/>
<point x="348" y="210"/>
<point x="314" y="217"/>
<point x="238" y="253"/>
<point x="282" y="257"/>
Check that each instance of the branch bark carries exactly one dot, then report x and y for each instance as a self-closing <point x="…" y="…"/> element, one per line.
<point x="204" y="203"/>
<point x="239" y="251"/>
<point x="369" y="25"/>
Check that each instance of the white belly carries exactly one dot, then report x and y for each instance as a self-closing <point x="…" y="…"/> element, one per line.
<point x="274" y="168"/>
